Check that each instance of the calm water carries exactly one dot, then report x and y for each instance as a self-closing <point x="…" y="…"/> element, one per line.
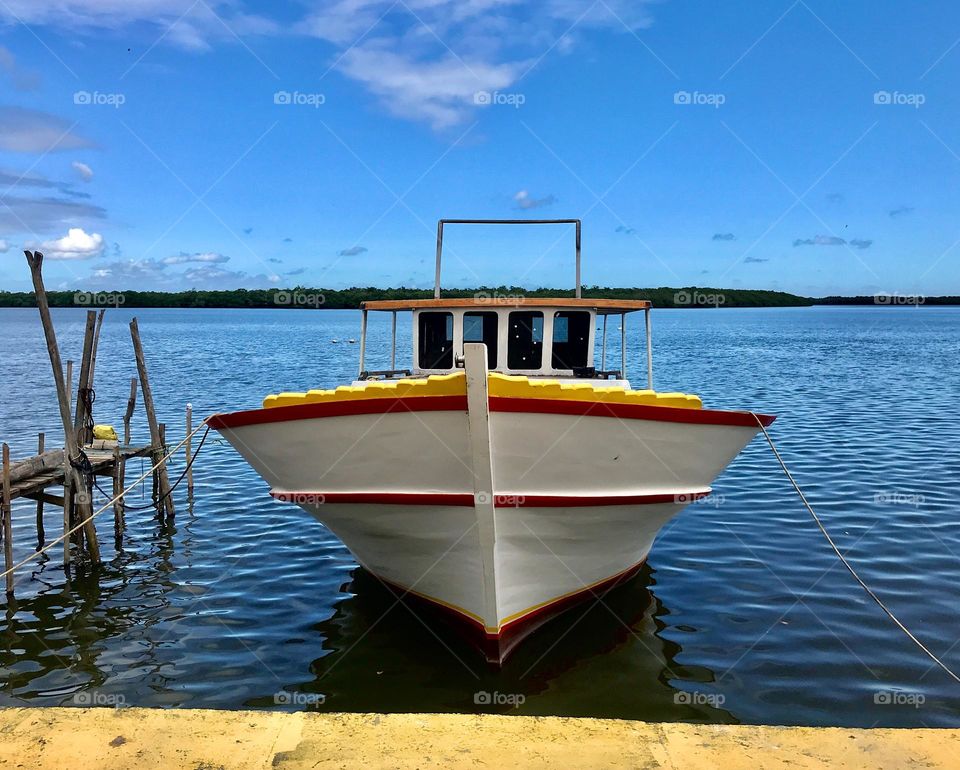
<point x="743" y="613"/>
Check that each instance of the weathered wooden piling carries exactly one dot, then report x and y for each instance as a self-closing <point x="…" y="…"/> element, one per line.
<point x="82" y="458"/>
<point x="118" y="472"/>
<point x="163" y="481"/>
<point x="187" y="449"/>
<point x="131" y="403"/>
<point x="80" y="413"/>
<point x="40" y="533"/>
<point x="69" y="386"/>
<point x="160" y="453"/>
<point x="67" y="509"/>
<point x="7" y="523"/>
<point x="35" y="261"/>
<point x="96" y="344"/>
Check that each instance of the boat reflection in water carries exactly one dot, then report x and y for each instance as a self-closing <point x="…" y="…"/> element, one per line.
<point x="391" y="655"/>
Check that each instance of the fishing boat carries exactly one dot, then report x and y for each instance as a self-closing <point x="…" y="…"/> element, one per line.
<point x="505" y="474"/>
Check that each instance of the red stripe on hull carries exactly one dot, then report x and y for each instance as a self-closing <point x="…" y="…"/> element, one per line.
<point x="500" y="501"/>
<point x="339" y="409"/>
<point x="497" y="404"/>
<point x="376" y="498"/>
<point x="628" y="411"/>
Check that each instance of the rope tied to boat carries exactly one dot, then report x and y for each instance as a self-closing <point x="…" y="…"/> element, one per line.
<point x="846" y="563"/>
<point x="114" y="499"/>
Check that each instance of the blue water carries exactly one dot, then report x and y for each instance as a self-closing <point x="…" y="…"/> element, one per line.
<point x="742" y="614"/>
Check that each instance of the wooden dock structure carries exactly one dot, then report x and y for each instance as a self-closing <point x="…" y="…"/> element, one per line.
<point x="83" y="458"/>
<point x="106" y="462"/>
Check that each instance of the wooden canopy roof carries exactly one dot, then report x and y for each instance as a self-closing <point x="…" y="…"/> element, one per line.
<point x="602" y="306"/>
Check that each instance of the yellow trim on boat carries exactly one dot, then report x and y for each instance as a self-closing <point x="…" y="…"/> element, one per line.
<point x="516" y="615"/>
<point x="504" y="385"/>
<point x="435" y="385"/>
<point x="585" y="390"/>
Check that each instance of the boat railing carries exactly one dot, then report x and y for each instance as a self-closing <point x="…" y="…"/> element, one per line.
<point x="385" y="374"/>
<point x="442" y="222"/>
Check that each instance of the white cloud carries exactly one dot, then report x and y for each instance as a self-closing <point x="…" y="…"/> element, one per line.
<point x="4" y="246"/>
<point x="185" y="23"/>
<point x="159" y="274"/>
<point x="21" y="79"/>
<point x="23" y="130"/>
<point x="76" y="244"/>
<point x="85" y="172"/>
<point x="423" y="60"/>
<point x="208" y="257"/>
<point x="524" y="201"/>
<point x="440" y="92"/>
<point x="20" y="214"/>
<point x="426" y="59"/>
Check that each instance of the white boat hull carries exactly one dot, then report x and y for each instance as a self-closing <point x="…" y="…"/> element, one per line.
<point x="502" y="513"/>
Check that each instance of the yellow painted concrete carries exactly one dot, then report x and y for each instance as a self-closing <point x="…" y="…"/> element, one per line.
<point x="83" y="739"/>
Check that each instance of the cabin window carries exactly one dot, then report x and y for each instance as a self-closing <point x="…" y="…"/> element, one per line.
<point x="571" y="335"/>
<point x="436" y="340"/>
<point x="525" y="345"/>
<point x="482" y="327"/>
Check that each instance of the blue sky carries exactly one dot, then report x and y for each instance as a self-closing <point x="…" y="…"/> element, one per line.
<point x="808" y="146"/>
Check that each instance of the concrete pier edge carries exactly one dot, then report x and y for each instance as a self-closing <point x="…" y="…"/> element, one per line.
<point x="200" y="739"/>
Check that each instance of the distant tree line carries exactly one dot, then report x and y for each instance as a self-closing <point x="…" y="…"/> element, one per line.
<point x="313" y="297"/>
<point x="303" y="297"/>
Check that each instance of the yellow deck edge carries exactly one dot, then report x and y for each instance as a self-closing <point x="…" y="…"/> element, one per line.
<point x="499" y="384"/>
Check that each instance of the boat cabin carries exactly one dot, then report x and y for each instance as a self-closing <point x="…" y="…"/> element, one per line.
<point x="530" y="336"/>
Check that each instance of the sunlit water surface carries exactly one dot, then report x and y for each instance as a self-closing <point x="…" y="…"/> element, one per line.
<point x="742" y="613"/>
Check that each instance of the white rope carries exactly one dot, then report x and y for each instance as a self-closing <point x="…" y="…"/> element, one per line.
<point x="847" y="564"/>
<point x="96" y="513"/>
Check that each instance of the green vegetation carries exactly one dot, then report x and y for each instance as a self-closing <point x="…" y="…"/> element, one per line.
<point x="302" y="297"/>
<point x="308" y="297"/>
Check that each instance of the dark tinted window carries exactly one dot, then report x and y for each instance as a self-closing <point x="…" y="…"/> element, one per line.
<point x="482" y="327"/>
<point x="525" y="343"/>
<point x="436" y="340"/>
<point x="571" y="333"/>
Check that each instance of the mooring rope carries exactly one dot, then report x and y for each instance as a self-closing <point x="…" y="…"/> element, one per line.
<point x="106" y="505"/>
<point x="844" y="561"/>
<point x="169" y="492"/>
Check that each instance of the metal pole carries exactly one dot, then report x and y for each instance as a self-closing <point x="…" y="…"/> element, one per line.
<point x="603" y="346"/>
<point x="578" y="259"/>
<point x="646" y="319"/>
<point x="393" y="344"/>
<point x="436" y="280"/>
<point x="363" y="339"/>
<point x="623" y="346"/>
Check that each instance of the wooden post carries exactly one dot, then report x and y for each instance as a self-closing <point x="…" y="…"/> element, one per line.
<point x="96" y="343"/>
<point x="117" y="487"/>
<point x="40" y="533"/>
<point x="160" y="453"/>
<point x="69" y="386"/>
<point x="187" y="449"/>
<point x="162" y="480"/>
<point x="80" y="414"/>
<point x="7" y="526"/>
<point x="67" y="508"/>
<point x="35" y="260"/>
<point x="131" y="403"/>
